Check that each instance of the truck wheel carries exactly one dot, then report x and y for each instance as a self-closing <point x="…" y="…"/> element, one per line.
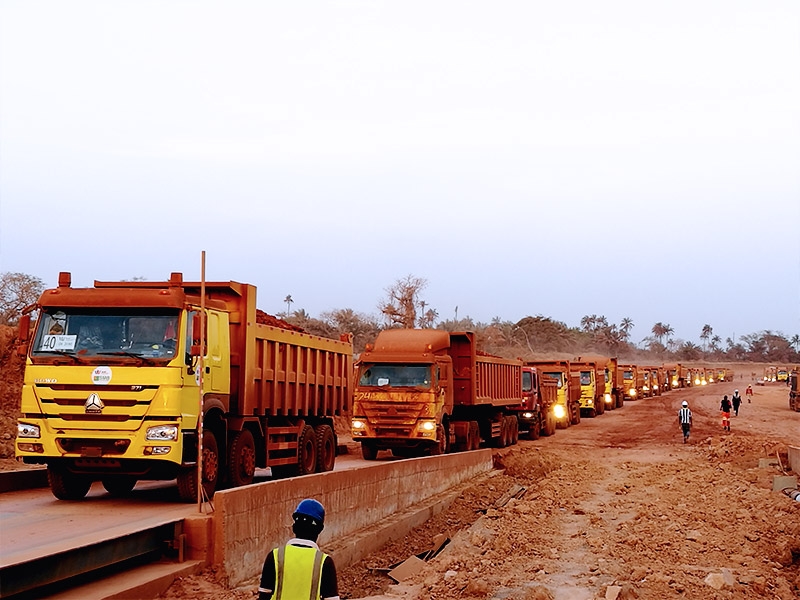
<point x="187" y="476"/>
<point x="440" y="447"/>
<point x="505" y="434"/>
<point x="119" y="485"/>
<point x="550" y="423"/>
<point x="474" y="436"/>
<point x="536" y="429"/>
<point x="600" y="407"/>
<point x="510" y="422"/>
<point x="620" y="400"/>
<point x="66" y="486"/>
<point x="576" y="415"/>
<point x="242" y="458"/>
<point x="326" y="448"/>
<point x="307" y="451"/>
<point x="514" y="430"/>
<point x="369" y="451"/>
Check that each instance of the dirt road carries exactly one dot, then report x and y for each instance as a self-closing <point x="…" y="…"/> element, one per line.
<point x="616" y="507"/>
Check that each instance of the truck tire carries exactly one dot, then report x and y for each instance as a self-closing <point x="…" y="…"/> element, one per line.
<point x="620" y="400"/>
<point x="473" y="436"/>
<point x="600" y="407"/>
<point x="514" y="430"/>
<point x="440" y="447"/>
<point x="326" y="448"/>
<point x="65" y="485"/>
<point x="187" y="476"/>
<point x="549" y="423"/>
<point x="242" y="458"/>
<point x="119" y="485"/>
<point x="576" y="415"/>
<point x="369" y="451"/>
<point x="536" y="429"/>
<point x="307" y="451"/>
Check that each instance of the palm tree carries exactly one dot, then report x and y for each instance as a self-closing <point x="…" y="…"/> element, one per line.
<point x="625" y="327"/>
<point x="659" y="331"/>
<point x="795" y="341"/>
<point x="288" y="301"/>
<point x="705" y="335"/>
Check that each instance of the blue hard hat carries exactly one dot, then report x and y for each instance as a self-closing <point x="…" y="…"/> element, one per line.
<point x="312" y="509"/>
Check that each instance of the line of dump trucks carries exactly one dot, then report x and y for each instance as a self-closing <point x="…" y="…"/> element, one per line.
<point x="135" y="380"/>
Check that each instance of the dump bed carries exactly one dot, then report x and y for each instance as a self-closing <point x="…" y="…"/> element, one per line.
<point x="273" y="371"/>
<point x="480" y="380"/>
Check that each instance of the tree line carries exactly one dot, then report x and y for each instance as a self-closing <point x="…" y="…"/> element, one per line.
<point x="403" y="306"/>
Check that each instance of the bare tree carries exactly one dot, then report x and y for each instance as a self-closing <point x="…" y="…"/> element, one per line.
<point x="400" y="306"/>
<point x="17" y="290"/>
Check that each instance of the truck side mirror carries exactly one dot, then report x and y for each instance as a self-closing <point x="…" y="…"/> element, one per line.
<point x="24" y="334"/>
<point x="24" y="328"/>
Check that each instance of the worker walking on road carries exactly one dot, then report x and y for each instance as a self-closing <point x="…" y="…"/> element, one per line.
<point x="299" y="570"/>
<point x="736" y="401"/>
<point x="749" y="393"/>
<point x="725" y="407"/>
<point x="685" y="419"/>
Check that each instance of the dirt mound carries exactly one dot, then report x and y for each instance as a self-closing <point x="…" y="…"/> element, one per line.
<point x="12" y="367"/>
<point x="267" y="319"/>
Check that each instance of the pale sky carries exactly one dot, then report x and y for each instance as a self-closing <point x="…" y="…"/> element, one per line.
<point x="620" y="158"/>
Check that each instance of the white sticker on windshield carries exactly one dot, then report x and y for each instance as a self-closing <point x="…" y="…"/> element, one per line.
<point x="383" y="381"/>
<point x="101" y="375"/>
<point x="58" y="342"/>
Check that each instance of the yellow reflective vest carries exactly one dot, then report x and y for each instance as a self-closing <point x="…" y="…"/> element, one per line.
<point x="298" y="573"/>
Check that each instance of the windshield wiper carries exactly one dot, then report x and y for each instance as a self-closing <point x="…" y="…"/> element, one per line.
<point x="71" y="355"/>
<point x="145" y="359"/>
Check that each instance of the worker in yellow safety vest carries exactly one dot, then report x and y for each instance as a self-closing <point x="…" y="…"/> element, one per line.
<point x="299" y="570"/>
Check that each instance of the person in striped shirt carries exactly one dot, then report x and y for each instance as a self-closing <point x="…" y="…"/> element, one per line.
<point x="685" y="419"/>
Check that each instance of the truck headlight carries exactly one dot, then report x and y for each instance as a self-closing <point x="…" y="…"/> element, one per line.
<point x="607" y="398"/>
<point x="428" y="425"/>
<point x="632" y="392"/>
<point x="356" y="424"/>
<point x="162" y="433"/>
<point x="26" y="430"/>
<point x="527" y="415"/>
<point x="558" y="411"/>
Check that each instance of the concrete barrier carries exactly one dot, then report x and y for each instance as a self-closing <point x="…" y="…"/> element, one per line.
<point x="249" y="521"/>
<point x="794" y="459"/>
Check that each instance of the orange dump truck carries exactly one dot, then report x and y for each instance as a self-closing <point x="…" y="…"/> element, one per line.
<point x="113" y="383"/>
<point x="428" y="391"/>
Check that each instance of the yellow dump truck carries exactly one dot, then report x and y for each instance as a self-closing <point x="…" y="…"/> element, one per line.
<point x="568" y="406"/>
<point x="632" y="381"/>
<point x="591" y="376"/>
<point x="116" y="376"/>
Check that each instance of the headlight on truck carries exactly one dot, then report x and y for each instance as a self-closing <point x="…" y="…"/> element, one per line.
<point x="632" y="392"/>
<point x="527" y="415"/>
<point x="356" y="424"/>
<point x="428" y="426"/>
<point x="607" y="398"/>
<point x="558" y="411"/>
<point x="162" y="433"/>
<point x="26" y="430"/>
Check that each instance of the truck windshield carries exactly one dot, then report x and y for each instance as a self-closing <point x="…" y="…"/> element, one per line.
<point x="627" y="375"/>
<point x="557" y="377"/>
<point x="527" y="381"/>
<point x="586" y="378"/>
<point x="396" y="376"/>
<point x="119" y="332"/>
